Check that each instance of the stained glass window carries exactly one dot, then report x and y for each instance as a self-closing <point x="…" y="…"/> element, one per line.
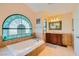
<point x="16" y="26"/>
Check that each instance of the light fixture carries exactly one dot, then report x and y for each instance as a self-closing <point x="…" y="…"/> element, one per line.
<point x="55" y="18"/>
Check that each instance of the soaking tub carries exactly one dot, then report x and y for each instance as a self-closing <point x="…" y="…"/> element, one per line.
<point x="21" y="48"/>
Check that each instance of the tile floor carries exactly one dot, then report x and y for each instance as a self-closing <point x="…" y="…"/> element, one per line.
<point x="55" y="50"/>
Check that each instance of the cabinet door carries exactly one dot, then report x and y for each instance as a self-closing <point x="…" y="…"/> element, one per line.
<point x="48" y="37"/>
<point x="53" y="39"/>
<point x="59" y="39"/>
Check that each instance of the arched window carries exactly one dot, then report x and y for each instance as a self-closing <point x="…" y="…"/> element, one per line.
<point x="16" y="26"/>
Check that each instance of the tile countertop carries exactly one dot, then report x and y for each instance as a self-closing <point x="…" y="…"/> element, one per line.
<point x="21" y="48"/>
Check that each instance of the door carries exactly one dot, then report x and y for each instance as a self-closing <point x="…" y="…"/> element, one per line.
<point x="39" y="28"/>
<point x="76" y="32"/>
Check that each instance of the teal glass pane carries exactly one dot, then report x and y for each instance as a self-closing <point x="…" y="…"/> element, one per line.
<point x="16" y="26"/>
<point x="45" y="25"/>
<point x="21" y="29"/>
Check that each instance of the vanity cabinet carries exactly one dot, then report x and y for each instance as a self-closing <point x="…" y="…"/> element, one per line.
<point x="54" y="38"/>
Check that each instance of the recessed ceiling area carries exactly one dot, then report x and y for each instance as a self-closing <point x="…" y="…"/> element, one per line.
<point x="53" y="7"/>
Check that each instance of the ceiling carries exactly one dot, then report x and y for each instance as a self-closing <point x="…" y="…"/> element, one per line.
<point x="53" y="7"/>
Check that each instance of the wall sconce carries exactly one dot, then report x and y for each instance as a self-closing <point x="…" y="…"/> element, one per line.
<point x="55" y="18"/>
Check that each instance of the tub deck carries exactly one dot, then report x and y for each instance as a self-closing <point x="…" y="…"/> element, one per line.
<point x="21" y="48"/>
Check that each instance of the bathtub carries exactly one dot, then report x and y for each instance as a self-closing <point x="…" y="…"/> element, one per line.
<point x="21" y="48"/>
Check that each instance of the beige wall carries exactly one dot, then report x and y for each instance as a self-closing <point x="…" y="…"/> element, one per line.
<point x="66" y="24"/>
<point x="9" y="9"/>
<point x="66" y="28"/>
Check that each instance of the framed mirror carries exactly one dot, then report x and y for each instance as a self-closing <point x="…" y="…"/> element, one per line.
<point x="55" y="25"/>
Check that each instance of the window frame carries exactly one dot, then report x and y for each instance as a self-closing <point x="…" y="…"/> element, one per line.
<point x="3" y="26"/>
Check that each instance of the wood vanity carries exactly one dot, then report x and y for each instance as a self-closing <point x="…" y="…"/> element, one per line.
<point x="54" y="38"/>
<point x="59" y="39"/>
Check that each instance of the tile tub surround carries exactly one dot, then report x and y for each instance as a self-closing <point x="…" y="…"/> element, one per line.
<point x="21" y="48"/>
<point x="37" y="51"/>
<point x="8" y="42"/>
<point x="1" y="42"/>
